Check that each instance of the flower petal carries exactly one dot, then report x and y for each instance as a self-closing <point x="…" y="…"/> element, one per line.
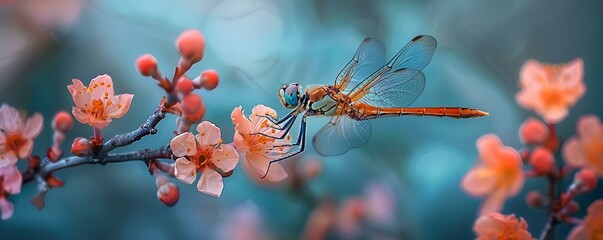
<point x="102" y="84"/>
<point x="488" y="146"/>
<point x="572" y="73"/>
<point x="7" y="159"/>
<point x="210" y="183"/>
<point x="589" y="125"/>
<point x="578" y="233"/>
<point x="184" y="145"/>
<point x="479" y="181"/>
<point x="209" y="134"/>
<point x="242" y="125"/>
<point x="78" y="93"/>
<point x="185" y="170"/>
<point x="10" y="119"/>
<point x="573" y="153"/>
<point x="33" y="126"/>
<point x="25" y="150"/>
<point x="257" y="163"/>
<point x="120" y="105"/>
<point x="225" y="158"/>
<point x="12" y="179"/>
<point x="532" y="75"/>
<point x="100" y="124"/>
<point x="276" y="173"/>
<point x="6" y="208"/>
<point x="493" y="203"/>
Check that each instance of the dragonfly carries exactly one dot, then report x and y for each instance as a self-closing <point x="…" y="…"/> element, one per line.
<point x="366" y="88"/>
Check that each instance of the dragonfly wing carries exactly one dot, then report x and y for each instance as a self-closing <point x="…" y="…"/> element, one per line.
<point x="341" y="134"/>
<point x="396" y="89"/>
<point x="416" y="54"/>
<point x="369" y="57"/>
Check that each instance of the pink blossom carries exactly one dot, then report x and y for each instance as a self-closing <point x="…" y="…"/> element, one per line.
<point x="203" y="153"/>
<point x="497" y="176"/>
<point x="10" y="184"/>
<point x="259" y="150"/>
<point x="592" y="225"/>
<point x="533" y="131"/>
<point x="586" y="149"/>
<point x="550" y="90"/>
<point x="497" y="226"/>
<point x="244" y="223"/>
<point x="16" y="136"/>
<point x="97" y="104"/>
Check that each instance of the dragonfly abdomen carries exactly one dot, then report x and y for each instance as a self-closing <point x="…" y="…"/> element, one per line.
<point x="364" y="111"/>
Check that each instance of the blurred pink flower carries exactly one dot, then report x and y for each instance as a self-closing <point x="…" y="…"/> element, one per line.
<point x="592" y="225"/>
<point x="96" y="105"/>
<point x="533" y="131"/>
<point x="203" y="153"/>
<point x="10" y="184"/>
<point x="244" y="223"/>
<point x="495" y="226"/>
<point x="16" y="136"/>
<point x="259" y="150"/>
<point x="497" y="177"/>
<point x="550" y="90"/>
<point x="586" y="149"/>
<point x="320" y="221"/>
<point x="50" y="14"/>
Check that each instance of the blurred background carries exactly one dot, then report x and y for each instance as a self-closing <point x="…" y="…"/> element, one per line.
<point x="256" y="46"/>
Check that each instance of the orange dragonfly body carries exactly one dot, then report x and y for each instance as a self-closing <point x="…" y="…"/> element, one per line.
<point x="366" y="88"/>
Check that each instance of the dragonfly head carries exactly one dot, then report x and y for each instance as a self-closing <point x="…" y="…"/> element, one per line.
<point x="290" y="95"/>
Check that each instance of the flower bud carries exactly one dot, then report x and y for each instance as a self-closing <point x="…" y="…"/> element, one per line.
<point x="62" y="122"/>
<point x="535" y="199"/>
<point x="80" y="147"/>
<point x="161" y="180"/>
<point x="532" y="131"/>
<point x="184" y="86"/>
<point x="193" y="108"/>
<point x="168" y="194"/>
<point x="190" y="45"/>
<point x="571" y="208"/>
<point x="54" y="181"/>
<point x="209" y="79"/>
<point x="542" y="161"/>
<point x="585" y="180"/>
<point x="147" y="65"/>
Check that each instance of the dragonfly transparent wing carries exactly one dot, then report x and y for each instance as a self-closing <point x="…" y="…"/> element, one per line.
<point x="341" y="134"/>
<point x="396" y="89"/>
<point x="369" y="57"/>
<point x="400" y="76"/>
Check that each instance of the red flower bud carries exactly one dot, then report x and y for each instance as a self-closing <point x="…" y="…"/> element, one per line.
<point x="532" y="131"/>
<point x="534" y="199"/>
<point x="54" y="181"/>
<point x="193" y="108"/>
<point x="542" y="161"/>
<point x="185" y="86"/>
<point x="585" y="180"/>
<point x="209" y="79"/>
<point x="190" y="45"/>
<point x="62" y="122"/>
<point x="168" y="194"/>
<point x="572" y="208"/>
<point x="147" y="65"/>
<point x="80" y="147"/>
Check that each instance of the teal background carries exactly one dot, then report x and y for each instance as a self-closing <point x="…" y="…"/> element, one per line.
<point x="256" y="46"/>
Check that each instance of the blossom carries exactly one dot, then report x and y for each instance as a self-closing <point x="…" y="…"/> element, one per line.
<point x="10" y="184"/>
<point x="586" y="149"/>
<point x="498" y="176"/>
<point x="203" y="153"/>
<point x="16" y="136"/>
<point x="497" y="226"/>
<point x="244" y="222"/>
<point x="259" y="150"/>
<point x="96" y="105"/>
<point x="550" y="90"/>
<point x="592" y="225"/>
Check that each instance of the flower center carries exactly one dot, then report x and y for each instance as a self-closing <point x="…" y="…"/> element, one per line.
<point x="14" y="142"/>
<point x="552" y="97"/>
<point x="97" y="109"/>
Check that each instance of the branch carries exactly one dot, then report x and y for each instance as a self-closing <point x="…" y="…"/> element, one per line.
<point x="147" y="128"/>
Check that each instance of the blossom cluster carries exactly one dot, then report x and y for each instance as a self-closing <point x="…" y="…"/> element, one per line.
<point x="550" y="91"/>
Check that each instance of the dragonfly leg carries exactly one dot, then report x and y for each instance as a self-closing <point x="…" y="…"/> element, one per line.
<point x="286" y="128"/>
<point x="301" y="142"/>
<point x="281" y="120"/>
